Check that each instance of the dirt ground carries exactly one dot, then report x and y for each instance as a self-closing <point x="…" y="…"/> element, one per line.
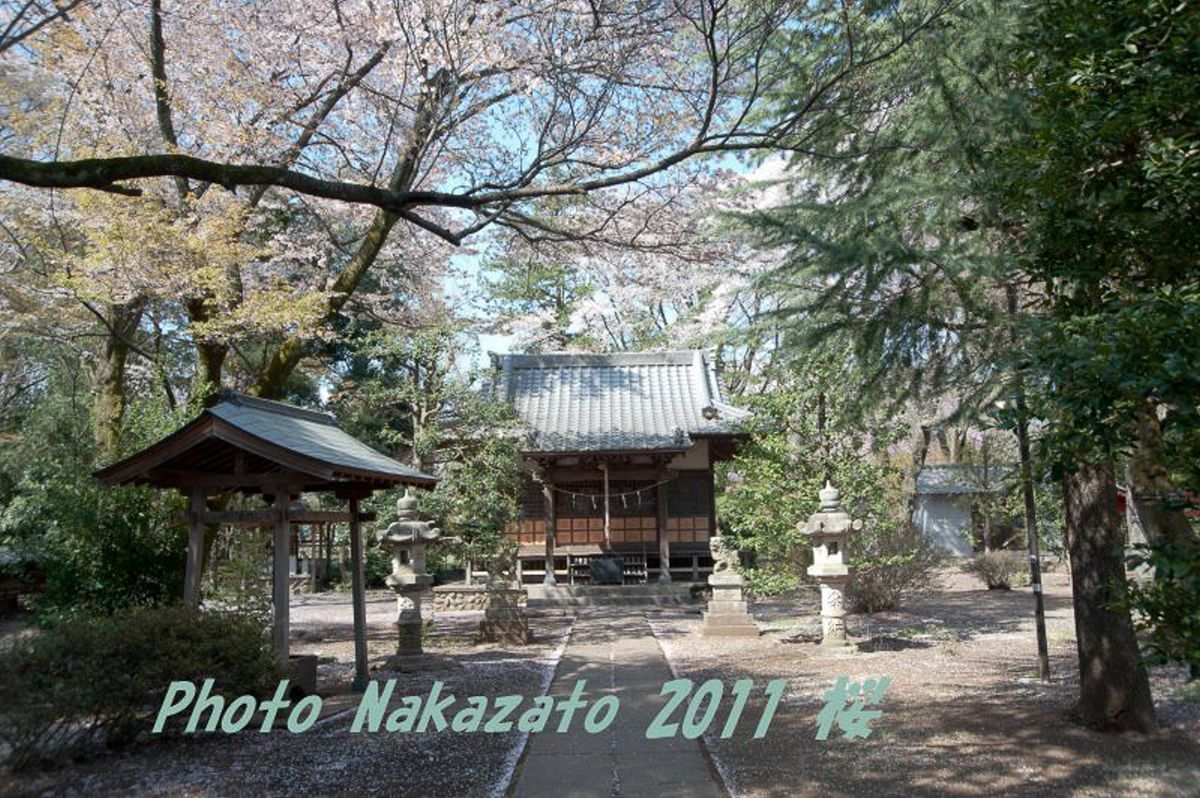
<point x="965" y="713"/>
<point x="327" y="760"/>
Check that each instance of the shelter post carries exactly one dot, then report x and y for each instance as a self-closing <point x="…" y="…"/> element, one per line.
<point x="195" y="549"/>
<point x="664" y="537"/>
<point x="551" y="518"/>
<point x="279" y="572"/>
<point x="607" y="514"/>
<point x="359" y="599"/>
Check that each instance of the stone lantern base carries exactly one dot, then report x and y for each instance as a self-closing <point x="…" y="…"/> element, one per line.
<point x="409" y="623"/>
<point x="727" y="615"/>
<point x="833" y="580"/>
<point x="503" y="619"/>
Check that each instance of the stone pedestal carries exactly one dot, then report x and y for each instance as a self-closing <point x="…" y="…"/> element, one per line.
<point x="727" y="615"/>
<point x="503" y="619"/>
<point x="409" y="622"/>
<point x="833" y="611"/>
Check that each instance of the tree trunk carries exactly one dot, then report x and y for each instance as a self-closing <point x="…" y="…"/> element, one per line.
<point x="1149" y="487"/>
<point x="284" y="359"/>
<point x="109" y="402"/>
<point x="918" y="462"/>
<point x="1113" y="683"/>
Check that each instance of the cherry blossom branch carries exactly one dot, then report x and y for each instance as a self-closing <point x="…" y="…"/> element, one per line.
<point x="13" y="35"/>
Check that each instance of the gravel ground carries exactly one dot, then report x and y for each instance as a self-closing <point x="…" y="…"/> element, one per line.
<point x="964" y="715"/>
<point x="327" y="760"/>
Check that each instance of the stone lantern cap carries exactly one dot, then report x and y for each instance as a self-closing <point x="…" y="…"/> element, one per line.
<point x="407" y="538"/>
<point x="828" y="529"/>
<point x="830" y="520"/>
<point x="409" y="529"/>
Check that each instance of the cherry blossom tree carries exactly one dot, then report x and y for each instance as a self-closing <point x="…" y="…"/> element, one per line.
<point x="450" y="117"/>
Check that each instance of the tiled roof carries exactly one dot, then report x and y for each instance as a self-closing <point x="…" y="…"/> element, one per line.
<point x="280" y="437"/>
<point x="308" y="432"/>
<point x="620" y="402"/>
<point x="959" y="478"/>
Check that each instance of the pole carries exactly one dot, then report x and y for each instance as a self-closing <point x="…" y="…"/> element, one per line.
<point x="279" y="574"/>
<point x="664" y="538"/>
<point x="1035" y="565"/>
<point x="359" y="600"/>
<point x="607" y="534"/>
<point x="551" y="519"/>
<point x="195" y="550"/>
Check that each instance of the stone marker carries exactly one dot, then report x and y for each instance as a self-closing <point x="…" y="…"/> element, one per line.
<point x="726" y="615"/>
<point x="407" y="538"/>
<point x="503" y="619"/>
<point x="827" y="529"/>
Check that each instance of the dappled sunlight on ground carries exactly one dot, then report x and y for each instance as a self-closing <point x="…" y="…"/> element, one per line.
<point x="965" y="713"/>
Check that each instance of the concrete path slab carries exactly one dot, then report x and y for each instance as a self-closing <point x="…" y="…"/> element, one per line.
<point x="616" y="653"/>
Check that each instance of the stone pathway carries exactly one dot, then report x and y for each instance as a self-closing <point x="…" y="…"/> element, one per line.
<point x="615" y="651"/>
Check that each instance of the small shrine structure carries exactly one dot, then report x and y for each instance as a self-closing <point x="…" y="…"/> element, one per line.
<point x="251" y="446"/>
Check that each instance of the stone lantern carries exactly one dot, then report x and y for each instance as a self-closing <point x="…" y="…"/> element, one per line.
<point x="406" y="539"/>
<point x="828" y="529"/>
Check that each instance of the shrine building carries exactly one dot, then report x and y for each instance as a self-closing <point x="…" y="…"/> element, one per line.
<point x="618" y="450"/>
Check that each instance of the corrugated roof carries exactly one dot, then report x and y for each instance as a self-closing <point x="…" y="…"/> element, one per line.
<point x="308" y="432"/>
<point x="618" y="402"/>
<point x="960" y="478"/>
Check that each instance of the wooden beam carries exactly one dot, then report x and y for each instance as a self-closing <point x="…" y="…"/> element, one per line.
<point x="607" y="514"/>
<point x="561" y="475"/>
<point x="269" y="516"/>
<point x="207" y="479"/>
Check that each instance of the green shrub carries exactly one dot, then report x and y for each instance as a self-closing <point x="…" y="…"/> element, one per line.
<point x="102" y="548"/>
<point x="1167" y="605"/>
<point x="377" y="565"/>
<point x="1001" y="570"/>
<point x="774" y="481"/>
<point x="98" y="682"/>
<point x="771" y="580"/>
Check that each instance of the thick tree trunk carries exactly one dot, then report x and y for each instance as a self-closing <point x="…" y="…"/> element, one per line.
<point x="210" y="361"/>
<point x="109" y="402"/>
<point x="210" y="355"/>
<point x="1150" y="488"/>
<point x="1113" y="683"/>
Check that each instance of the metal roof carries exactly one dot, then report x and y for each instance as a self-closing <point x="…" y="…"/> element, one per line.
<point x="960" y="478"/>
<point x="276" y="434"/>
<point x="307" y="432"/>
<point x="631" y="401"/>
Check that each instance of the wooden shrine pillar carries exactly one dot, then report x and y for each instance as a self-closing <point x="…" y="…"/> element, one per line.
<point x="664" y="538"/>
<point x="195" y="549"/>
<point x="281" y="589"/>
<point x="607" y="514"/>
<point x="551" y="520"/>
<point x="359" y="599"/>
